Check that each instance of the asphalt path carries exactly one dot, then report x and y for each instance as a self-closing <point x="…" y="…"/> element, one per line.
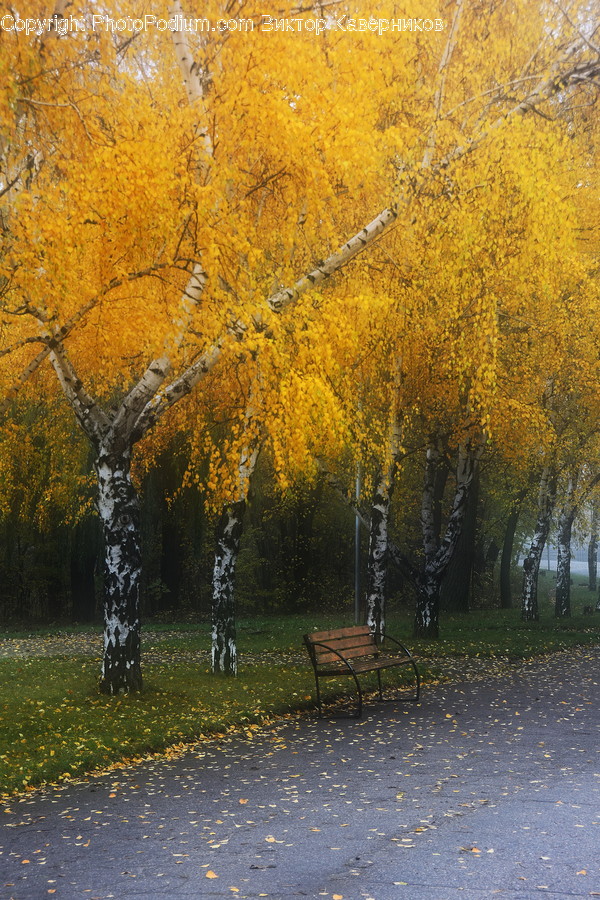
<point x="487" y="788"/>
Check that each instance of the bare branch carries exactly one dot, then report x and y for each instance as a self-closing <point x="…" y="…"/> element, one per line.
<point x="164" y="399"/>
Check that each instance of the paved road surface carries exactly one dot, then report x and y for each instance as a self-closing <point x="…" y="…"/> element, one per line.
<point x="489" y="788"/>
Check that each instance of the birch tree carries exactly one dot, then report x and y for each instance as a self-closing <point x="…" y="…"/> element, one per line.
<point x="147" y="217"/>
<point x="531" y="563"/>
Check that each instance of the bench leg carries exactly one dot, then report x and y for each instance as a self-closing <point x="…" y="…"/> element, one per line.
<point x="417" y="689"/>
<point x="359" y="689"/>
<point x="319" y="704"/>
<point x="358" y="714"/>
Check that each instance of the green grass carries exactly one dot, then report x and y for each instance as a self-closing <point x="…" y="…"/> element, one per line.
<point x="484" y="633"/>
<point x="54" y="724"/>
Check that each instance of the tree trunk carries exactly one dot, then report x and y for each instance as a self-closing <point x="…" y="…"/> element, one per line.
<point x="379" y="533"/>
<point x="428" y="585"/>
<point x="456" y="588"/>
<point x="593" y="550"/>
<point x="378" y="555"/>
<point x="438" y="554"/>
<point x="118" y="507"/>
<point x="563" y="564"/>
<point x="562" y="606"/>
<point x="224" y="645"/>
<point x="229" y="534"/>
<point x="506" y="558"/>
<point x="428" y="606"/>
<point x="482" y="581"/>
<point x="531" y="564"/>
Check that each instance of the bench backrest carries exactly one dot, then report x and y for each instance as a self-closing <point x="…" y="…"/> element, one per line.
<point x="351" y="642"/>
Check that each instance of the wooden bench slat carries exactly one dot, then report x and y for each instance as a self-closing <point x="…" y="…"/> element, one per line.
<point x="324" y="656"/>
<point x="365" y="644"/>
<point x="348" y="640"/>
<point x="337" y="633"/>
<point x="344" y="651"/>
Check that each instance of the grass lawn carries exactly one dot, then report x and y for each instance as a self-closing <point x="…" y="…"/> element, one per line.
<point x="55" y="725"/>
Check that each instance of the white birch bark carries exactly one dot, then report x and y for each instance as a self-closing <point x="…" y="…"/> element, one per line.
<point x="438" y="98"/>
<point x="118" y="508"/>
<point x="193" y="76"/>
<point x="92" y="419"/>
<point x="379" y="535"/>
<point x="378" y="553"/>
<point x="575" y="496"/>
<point x="224" y="656"/>
<point x="531" y="564"/>
<point x="427" y="606"/>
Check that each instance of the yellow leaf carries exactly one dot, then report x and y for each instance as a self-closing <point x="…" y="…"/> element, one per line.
<point x="211" y="874"/>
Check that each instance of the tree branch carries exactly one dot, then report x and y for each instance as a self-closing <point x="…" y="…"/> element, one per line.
<point x="442" y="75"/>
<point x="584" y="72"/>
<point x="92" y="419"/>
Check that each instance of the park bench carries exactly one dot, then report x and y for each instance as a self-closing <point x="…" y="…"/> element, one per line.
<point x="353" y="651"/>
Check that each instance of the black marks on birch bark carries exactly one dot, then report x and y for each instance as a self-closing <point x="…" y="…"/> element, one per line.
<point x="118" y="507"/>
<point x="229" y="533"/>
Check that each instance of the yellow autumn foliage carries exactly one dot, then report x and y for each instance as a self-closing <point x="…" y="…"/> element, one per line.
<point x="115" y="186"/>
